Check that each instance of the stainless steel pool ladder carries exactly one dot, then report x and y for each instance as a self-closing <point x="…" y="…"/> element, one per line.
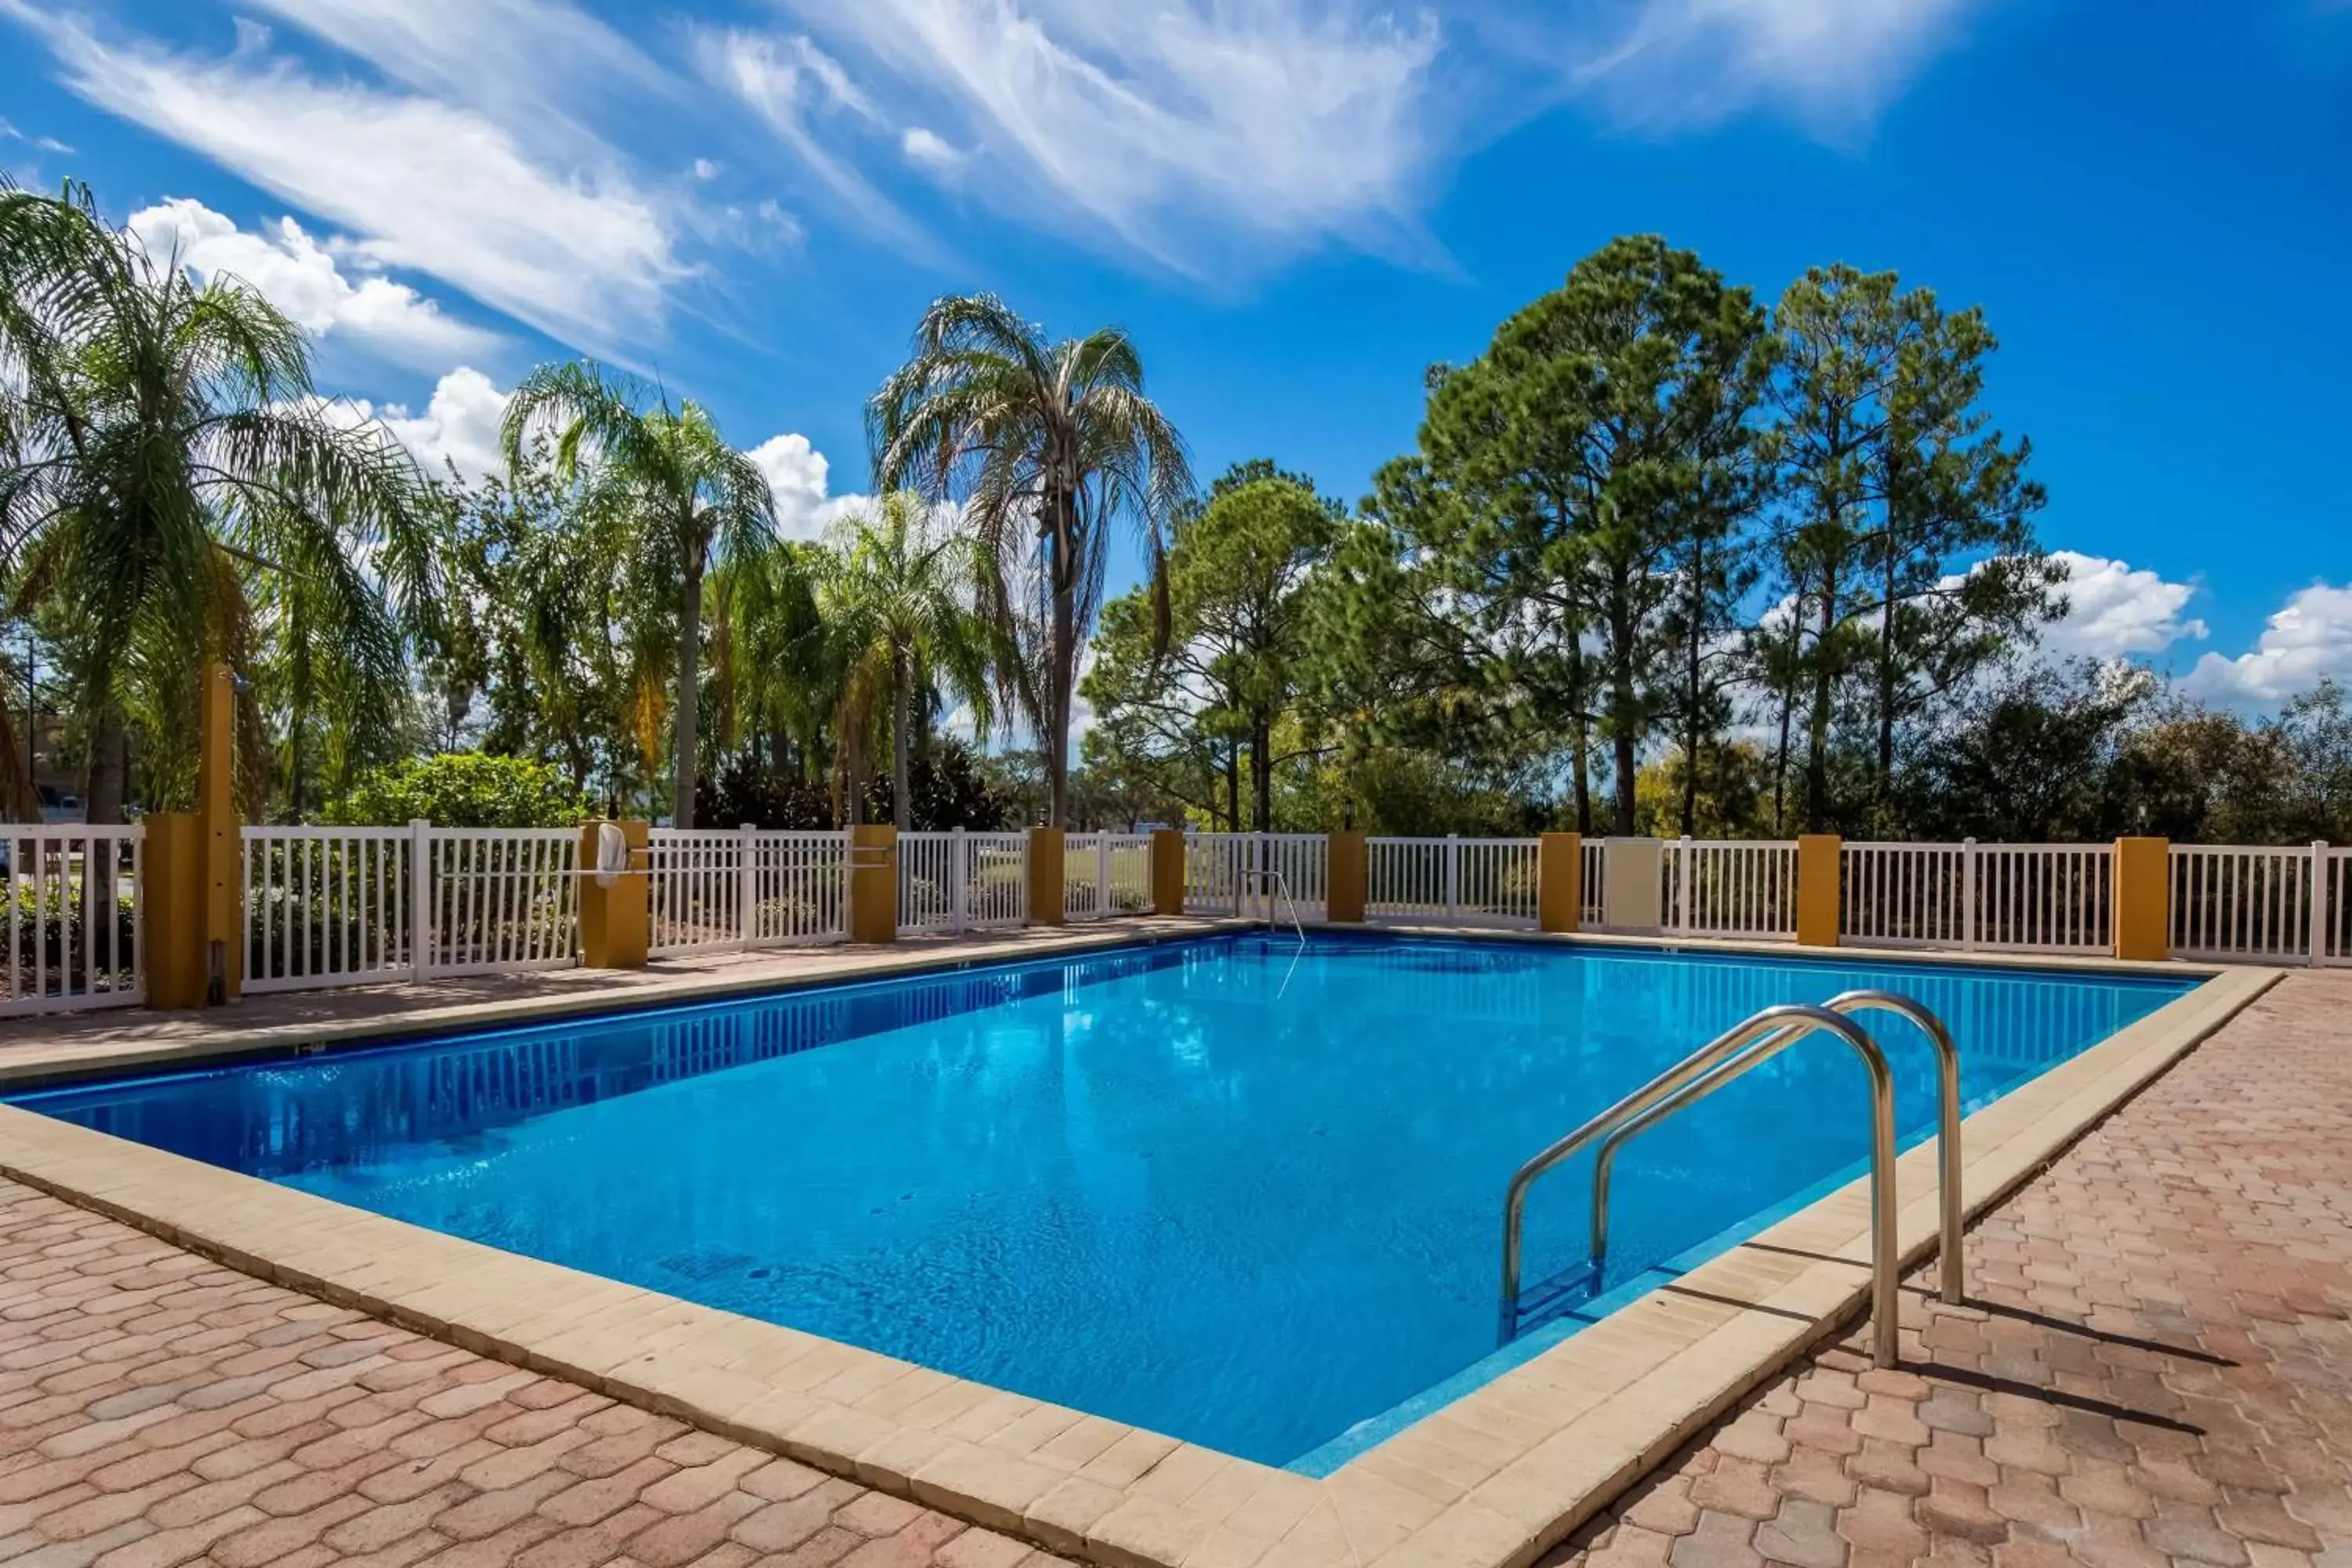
<point x="1755" y="1040"/>
<point x="1272" y="880"/>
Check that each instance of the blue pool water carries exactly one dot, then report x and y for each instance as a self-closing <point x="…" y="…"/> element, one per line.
<point x="1230" y="1190"/>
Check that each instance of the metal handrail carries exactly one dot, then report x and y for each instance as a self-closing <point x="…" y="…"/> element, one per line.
<point x="1800" y="1020"/>
<point x="1948" y="1125"/>
<point x="1279" y="881"/>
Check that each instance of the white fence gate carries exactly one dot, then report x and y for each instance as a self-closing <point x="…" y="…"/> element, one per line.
<point x="330" y="906"/>
<point x="1730" y="889"/>
<point x="1452" y="882"/>
<point x="716" y="889"/>
<point x="962" y="881"/>
<point x="73" y="917"/>
<point x="1105" y="874"/>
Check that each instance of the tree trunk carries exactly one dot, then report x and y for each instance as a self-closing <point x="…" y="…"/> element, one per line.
<point x="901" y="805"/>
<point x="690" y="657"/>
<point x="1062" y="653"/>
<point x="109" y="767"/>
<point x="1886" y="779"/>
<point x="1817" y="742"/>
<point x="1693" y="673"/>
<point x="1788" y="692"/>
<point x="1233" y="786"/>
<point x="1262" y="775"/>
<point x="1579" y="737"/>
<point x="1624" y="700"/>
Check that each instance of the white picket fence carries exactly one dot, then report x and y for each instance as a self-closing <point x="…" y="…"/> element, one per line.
<point x="345" y="906"/>
<point x="745" y="888"/>
<point x="1452" y="882"/>
<point x="1105" y="874"/>
<point x="957" y="880"/>
<point x="1728" y="889"/>
<point x="72" y="918"/>
<point x="2262" y="904"/>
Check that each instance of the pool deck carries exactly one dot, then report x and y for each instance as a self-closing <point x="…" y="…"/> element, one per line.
<point x="2158" y="1369"/>
<point x="1494" y="1481"/>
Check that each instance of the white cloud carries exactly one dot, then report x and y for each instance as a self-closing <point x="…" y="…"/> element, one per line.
<point x="808" y="101"/>
<point x="927" y="148"/>
<point x="1834" y="64"/>
<point x="576" y="250"/>
<point x="2115" y="611"/>
<point x="797" y="478"/>
<point x="1194" y="131"/>
<point x="2306" y="640"/>
<point x="303" y="279"/>
<point x="459" y="425"/>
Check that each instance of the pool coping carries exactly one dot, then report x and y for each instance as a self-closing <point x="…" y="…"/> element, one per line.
<point x="1492" y="1480"/>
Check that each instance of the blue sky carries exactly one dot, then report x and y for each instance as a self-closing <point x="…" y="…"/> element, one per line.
<point x="1295" y="205"/>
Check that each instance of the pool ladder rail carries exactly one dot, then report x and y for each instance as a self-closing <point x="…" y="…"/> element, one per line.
<point x="1727" y="1056"/>
<point x="1273" y="881"/>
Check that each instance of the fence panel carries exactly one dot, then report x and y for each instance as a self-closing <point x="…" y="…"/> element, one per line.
<point x="1719" y="888"/>
<point x="1595" y="860"/>
<point x="962" y="881"/>
<point x="1908" y="895"/>
<point x="1105" y="874"/>
<point x="2334" y="919"/>
<point x="1213" y="863"/>
<point x="2044" y="897"/>
<point x="996" y="879"/>
<point x="327" y="906"/>
<point x="73" y="917"/>
<point x="697" y="876"/>
<point x="503" y="899"/>
<point x="1452" y="882"/>
<point x="799" y="889"/>
<point x="2247" y="902"/>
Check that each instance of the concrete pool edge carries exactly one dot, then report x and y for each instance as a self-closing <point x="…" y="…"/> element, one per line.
<point x="1489" y="1481"/>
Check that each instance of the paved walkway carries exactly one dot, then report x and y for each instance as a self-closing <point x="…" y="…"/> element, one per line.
<point x="156" y="1409"/>
<point x="2159" y="1368"/>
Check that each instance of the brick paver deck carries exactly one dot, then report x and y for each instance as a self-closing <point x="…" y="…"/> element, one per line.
<point x="2158" y="1369"/>
<point x="156" y="1408"/>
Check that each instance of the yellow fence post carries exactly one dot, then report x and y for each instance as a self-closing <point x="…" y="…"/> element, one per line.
<point x="1046" y="893"/>
<point x="615" y="917"/>
<point x="1167" y="870"/>
<point x="1347" y="877"/>
<point x="1559" y="881"/>
<point x="2143" y="894"/>
<point x="191" y="914"/>
<point x="873" y="884"/>
<point x="1819" y="858"/>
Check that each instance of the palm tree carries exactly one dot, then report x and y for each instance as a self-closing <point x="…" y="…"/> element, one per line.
<point x="174" y="490"/>
<point x="1050" y="441"/>
<point x="896" y="593"/>
<point x="683" y="490"/>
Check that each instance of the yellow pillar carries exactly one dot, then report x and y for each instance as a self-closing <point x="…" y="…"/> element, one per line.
<point x="1819" y="858"/>
<point x="1168" y="871"/>
<point x="1347" y="877"/>
<point x="615" y="917"/>
<point x="193" y="926"/>
<point x="1045" y="891"/>
<point x="2143" y="893"/>
<point x="1559" y="881"/>
<point x="873" y="883"/>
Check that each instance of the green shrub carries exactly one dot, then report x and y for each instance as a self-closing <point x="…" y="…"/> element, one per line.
<point x="464" y="789"/>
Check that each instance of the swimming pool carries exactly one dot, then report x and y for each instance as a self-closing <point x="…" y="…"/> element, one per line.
<point x="1231" y="1190"/>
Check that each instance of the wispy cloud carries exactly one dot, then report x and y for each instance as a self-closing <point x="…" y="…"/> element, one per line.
<point x="1834" y="64"/>
<point x="1197" y="133"/>
<point x="579" y="249"/>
